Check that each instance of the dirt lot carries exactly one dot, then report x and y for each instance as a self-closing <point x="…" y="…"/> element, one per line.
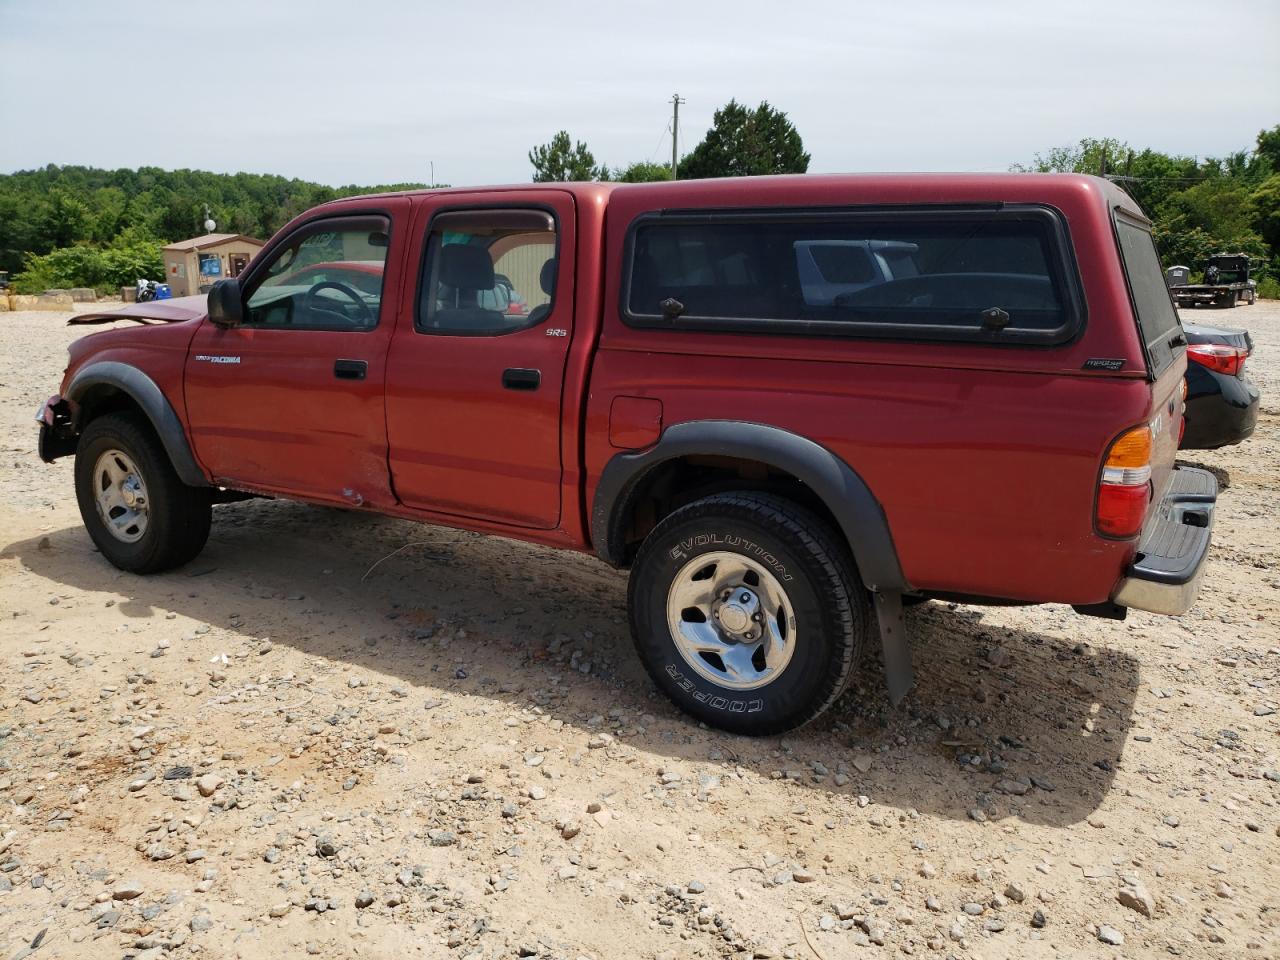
<point x="271" y="754"/>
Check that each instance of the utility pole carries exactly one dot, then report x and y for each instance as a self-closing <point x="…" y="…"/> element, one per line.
<point x="675" y="134"/>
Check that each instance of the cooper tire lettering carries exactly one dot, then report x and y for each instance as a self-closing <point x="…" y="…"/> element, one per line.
<point x="718" y="702"/>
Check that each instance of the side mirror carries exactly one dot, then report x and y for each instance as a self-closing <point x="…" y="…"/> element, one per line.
<point x="226" y="309"/>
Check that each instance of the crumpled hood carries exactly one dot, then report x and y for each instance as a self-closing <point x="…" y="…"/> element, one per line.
<point x="175" y="310"/>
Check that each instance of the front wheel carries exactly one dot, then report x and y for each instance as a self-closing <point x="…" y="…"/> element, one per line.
<point x="138" y="512"/>
<point x="746" y="612"/>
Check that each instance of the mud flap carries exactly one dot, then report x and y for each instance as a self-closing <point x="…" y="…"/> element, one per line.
<point x="898" y="672"/>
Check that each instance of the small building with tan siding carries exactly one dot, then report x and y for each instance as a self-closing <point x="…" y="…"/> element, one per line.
<point x="190" y="265"/>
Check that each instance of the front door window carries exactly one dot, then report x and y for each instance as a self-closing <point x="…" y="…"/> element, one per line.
<point x="327" y="276"/>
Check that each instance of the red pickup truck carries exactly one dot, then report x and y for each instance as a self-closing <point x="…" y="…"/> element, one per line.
<point x="789" y="405"/>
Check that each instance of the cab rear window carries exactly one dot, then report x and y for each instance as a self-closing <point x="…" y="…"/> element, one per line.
<point x="999" y="274"/>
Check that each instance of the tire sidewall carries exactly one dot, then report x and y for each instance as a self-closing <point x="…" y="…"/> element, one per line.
<point x="101" y="436"/>
<point x="808" y="681"/>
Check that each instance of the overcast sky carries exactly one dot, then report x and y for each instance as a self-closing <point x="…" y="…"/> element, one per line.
<point x="370" y="91"/>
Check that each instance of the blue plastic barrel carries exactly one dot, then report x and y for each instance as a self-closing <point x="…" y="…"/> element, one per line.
<point x="163" y="292"/>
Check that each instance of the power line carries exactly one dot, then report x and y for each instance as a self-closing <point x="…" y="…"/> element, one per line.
<point x="1119" y="176"/>
<point x="666" y="128"/>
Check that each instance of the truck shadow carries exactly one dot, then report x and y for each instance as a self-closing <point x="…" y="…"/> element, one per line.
<point x="992" y="704"/>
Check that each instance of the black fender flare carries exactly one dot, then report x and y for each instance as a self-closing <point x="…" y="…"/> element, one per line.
<point x="861" y="518"/>
<point x="152" y="401"/>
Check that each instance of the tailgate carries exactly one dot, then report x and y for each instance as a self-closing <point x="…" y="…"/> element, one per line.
<point x="1164" y="344"/>
<point x="1166" y="425"/>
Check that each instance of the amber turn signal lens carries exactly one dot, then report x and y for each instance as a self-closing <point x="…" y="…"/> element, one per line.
<point x="1131" y="449"/>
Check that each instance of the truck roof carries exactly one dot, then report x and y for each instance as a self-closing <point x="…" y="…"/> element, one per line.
<point x="826" y="188"/>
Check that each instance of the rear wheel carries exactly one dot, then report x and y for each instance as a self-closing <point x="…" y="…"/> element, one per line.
<point x="140" y="515"/>
<point x="746" y="612"/>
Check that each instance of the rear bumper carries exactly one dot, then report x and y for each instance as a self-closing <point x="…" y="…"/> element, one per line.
<point x="1167" y="572"/>
<point x="1221" y="410"/>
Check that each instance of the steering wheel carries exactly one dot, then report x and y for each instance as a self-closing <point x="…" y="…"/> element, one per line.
<point x="311" y="302"/>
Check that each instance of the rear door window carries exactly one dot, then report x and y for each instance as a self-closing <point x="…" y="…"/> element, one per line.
<point x="487" y="272"/>
<point x="1002" y="274"/>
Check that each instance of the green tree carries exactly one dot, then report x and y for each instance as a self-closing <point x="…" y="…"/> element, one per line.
<point x="1266" y="212"/>
<point x="1088" y="156"/>
<point x="746" y="143"/>
<point x="1269" y="147"/>
<point x="1212" y="216"/>
<point x="132" y="255"/>
<point x="643" y="171"/>
<point x="66" y="218"/>
<point x="562" y="160"/>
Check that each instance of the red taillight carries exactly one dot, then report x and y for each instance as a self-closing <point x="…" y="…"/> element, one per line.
<point x="1219" y="357"/>
<point x="1125" y="484"/>
<point x="1121" y="510"/>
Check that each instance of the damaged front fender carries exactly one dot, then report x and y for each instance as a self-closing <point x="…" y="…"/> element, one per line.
<point x="56" y="417"/>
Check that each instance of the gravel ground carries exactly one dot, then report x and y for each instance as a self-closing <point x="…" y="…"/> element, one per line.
<point x="275" y="752"/>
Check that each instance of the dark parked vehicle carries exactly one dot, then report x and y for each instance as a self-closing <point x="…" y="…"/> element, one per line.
<point x="1226" y="282"/>
<point x="1222" y="403"/>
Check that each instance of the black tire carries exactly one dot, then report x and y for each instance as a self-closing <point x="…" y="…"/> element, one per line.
<point x="831" y="608"/>
<point x="177" y="516"/>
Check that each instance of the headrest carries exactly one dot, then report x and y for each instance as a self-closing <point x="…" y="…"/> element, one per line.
<point x="547" y="277"/>
<point x="465" y="267"/>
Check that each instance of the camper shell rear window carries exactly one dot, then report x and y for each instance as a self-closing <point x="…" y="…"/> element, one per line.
<point x="997" y="274"/>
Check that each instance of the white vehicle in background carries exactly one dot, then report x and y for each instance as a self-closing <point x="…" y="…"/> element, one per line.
<point x="830" y="268"/>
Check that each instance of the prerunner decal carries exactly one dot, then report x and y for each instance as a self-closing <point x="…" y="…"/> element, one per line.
<point x="682" y="549"/>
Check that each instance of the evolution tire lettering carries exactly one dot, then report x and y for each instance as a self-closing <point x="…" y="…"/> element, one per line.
<point x="714" y="700"/>
<point x="682" y="550"/>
